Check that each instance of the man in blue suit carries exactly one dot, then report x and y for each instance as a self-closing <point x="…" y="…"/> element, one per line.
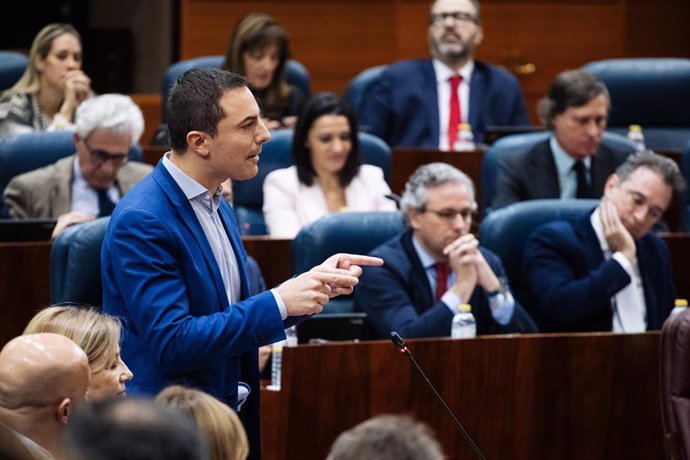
<point x="608" y="271"/>
<point x="437" y="265"/>
<point x="174" y="268"/>
<point x="410" y="105"/>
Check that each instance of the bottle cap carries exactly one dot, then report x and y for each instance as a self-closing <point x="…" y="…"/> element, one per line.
<point x="464" y="127"/>
<point x="465" y="307"/>
<point x="681" y="302"/>
<point x="635" y="128"/>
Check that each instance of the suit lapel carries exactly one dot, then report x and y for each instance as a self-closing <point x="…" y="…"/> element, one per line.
<point x="543" y="164"/>
<point x="647" y="283"/>
<point x="594" y="256"/>
<point x="430" y="99"/>
<point x="187" y="217"/>
<point x="601" y="162"/>
<point x="478" y="92"/>
<point x="421" y="291"/>
<point x="61" y="194"/>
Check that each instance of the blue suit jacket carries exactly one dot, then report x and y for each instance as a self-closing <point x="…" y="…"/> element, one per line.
<point x="568" y="284"/>
<point x="397" y="297"/>
<point x="160" y="277"/>
<point x="403" y="105"/>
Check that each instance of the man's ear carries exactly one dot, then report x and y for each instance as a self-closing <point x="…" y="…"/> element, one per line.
<point x="413" y="216"/>
<point x="611" y="183"/>
<point x="197" y="141"/>
<point x="64" y="411"/>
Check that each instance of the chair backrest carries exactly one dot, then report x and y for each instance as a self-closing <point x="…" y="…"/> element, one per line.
<point x="26" y="152"/>
<point x="12" y="66"/>
<point x="514" y="144"/>
<point x="75" y="264"/>
<point x="651" y="92"/>
<point x="359" y="87"/>
<point x="685" y="206"/>
<point x="295" y="74"/>
<point x="506" y="230"/>
<point x="675" y="385"/>
<point x="351" y="232"/>
<point x="248" y="195"/>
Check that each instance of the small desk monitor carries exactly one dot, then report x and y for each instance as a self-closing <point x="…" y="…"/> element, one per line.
<point x="331" y="327"/>
<point x="15" y="230"/>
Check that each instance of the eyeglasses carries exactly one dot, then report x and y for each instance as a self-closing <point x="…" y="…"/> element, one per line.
<point x="456" y="16"/>
<point x="99" y="157"/>
<point x="449" y="215"/>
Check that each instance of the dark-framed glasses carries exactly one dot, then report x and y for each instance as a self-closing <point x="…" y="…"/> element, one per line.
<point x="449" y="215"/>
<point x="99" y="157"/>
<point x="456" y="16"/>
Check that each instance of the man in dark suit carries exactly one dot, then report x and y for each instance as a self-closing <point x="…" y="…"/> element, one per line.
<point x="437" y="265"/>
<point x="174" y="267"/>
<point x="410" y="105"/>
<point x="608" y="271"/>
<point x="572" y="163"/>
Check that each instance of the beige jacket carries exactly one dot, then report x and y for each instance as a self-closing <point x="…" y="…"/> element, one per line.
<point x="46" y="192"/>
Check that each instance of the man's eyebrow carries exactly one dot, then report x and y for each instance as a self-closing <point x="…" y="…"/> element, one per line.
<point x="248" y="120"/>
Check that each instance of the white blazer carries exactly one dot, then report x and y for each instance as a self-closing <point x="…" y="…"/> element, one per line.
<point x="289" y="204"/>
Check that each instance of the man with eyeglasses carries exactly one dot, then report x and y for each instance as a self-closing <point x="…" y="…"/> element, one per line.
<point x="89" y="183"/>
<point x="437" y="265"/>
<point x="573" y="162"/>
<point x="607" y="271"/>
<point x="420" y="103"/>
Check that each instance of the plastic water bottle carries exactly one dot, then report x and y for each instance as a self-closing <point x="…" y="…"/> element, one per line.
<point x="636" y="136"/>
<point x="681" y="306"/>
<point x="465" y="140"/>
<point x="277" y="356"/>
<point x="463" y="325"/>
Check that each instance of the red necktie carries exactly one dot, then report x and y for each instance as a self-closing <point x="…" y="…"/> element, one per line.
<point x="442" y="269"/>
<point x="455" y="115"/>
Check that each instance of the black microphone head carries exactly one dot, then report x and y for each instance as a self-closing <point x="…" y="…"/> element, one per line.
<point x="397" y="340"/>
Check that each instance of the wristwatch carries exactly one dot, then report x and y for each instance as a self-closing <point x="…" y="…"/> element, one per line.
<point x="502" y="289"/>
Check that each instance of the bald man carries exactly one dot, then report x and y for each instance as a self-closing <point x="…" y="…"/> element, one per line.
<point x="42" y="378"/>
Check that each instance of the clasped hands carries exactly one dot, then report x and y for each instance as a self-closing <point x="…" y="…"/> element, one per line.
<point x="77" y="90"/>
<point x="307" y="293"/>
<point x="470" y="267"/>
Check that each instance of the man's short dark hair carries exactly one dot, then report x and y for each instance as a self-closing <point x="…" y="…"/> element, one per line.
<point x="387" y="437"/>
<point x="572" y="88"/>
<point x="194" y="103"/>
<point x="665" y="167"/>
<point x="132" y="429"/>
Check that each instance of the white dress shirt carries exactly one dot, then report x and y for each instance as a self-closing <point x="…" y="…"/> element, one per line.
<point x="443" y="74"/>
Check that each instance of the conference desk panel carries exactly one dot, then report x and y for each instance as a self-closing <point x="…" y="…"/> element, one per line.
<point x="564" y="396"/>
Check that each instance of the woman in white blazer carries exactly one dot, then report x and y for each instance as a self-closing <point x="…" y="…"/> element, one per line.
<point x="327" y="175"/>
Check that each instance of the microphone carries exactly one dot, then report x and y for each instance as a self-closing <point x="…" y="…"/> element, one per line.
<point x="400" y="345"/>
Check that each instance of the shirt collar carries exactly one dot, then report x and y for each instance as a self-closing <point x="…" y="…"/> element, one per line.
<point x="191" y="188"/>
<point x="443" y="72"/>
<point x="599" y="231"/>
<point x="564" y="162"/>
<point x="424" y="257"/>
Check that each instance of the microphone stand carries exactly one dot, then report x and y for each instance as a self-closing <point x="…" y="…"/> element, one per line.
<point x="400" y="345"/>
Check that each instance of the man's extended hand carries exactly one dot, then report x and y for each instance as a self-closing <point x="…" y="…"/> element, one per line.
<point x="351" y="263"/>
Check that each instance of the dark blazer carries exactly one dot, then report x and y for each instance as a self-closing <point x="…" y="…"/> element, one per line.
<point x="531" y="174"/>
<point x="160" y="277"/>
<point x="397" y="296"/>
<point x="403" y="106"/>
<point x="568" y="284"/>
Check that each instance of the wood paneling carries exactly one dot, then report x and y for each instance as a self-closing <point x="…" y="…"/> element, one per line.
<point x="574" y="396"/>
<point x="150" y="105"/>
<point x="338" y="39"/>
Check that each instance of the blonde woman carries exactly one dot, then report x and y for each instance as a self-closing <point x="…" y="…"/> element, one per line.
<point x="52" y="86"/>
<point x="98" y="335"/>
<point x="218" y="422"/>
